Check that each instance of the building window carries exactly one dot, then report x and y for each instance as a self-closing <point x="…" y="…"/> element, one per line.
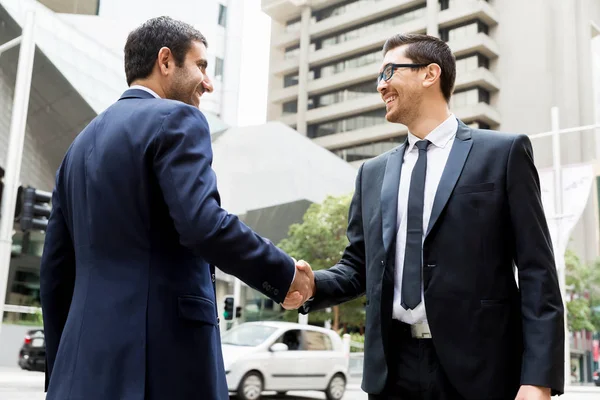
<point x="293" y="25"/>
<point x="290" y="107"/>
<point x="345" y="94"/>
<point x="469" y="97"/>
<point x="478" y="125"/>
<point x="290" y="80"/>
<point x="219" y="68"/>
<point x="370" y="149"/>
<point x="341" y="9"/>
<point x="465" y="30"/>
<point x="222" y="15"/>
<point x="470" y="63"/>
<point x="291" y="52"/>
<point x="373" y="56"/>
<point x="371" y="27"/>
<point x="360" y="121"/>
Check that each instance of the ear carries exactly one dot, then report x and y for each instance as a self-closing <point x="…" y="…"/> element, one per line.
<point x="432" y="74"/>
<point x="165" y="61"/>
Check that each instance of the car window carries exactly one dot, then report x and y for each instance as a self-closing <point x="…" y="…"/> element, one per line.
<point x="291" y="338"/>
<point x="247" y="335"/>
<point x="317" y="341"/>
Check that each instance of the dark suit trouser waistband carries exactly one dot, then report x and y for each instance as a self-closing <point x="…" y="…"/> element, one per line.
<point x="414" y="369"/>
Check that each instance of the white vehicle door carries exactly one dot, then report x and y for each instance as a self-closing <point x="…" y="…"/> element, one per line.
<point x="283" y="368"/>
<point x="317" y="360"/>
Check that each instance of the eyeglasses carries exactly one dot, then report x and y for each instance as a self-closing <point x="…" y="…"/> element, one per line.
<point x="389" y="69"/>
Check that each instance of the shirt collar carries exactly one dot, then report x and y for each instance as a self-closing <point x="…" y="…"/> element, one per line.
<point x="145" y="89"/>
<point x="440" y="136"/>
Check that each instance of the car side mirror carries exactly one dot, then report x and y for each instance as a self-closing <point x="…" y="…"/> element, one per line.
<point x="277" y="347"/>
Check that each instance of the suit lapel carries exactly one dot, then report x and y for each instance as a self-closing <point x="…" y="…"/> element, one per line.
<point x="389" y="195"/>
<point x="454" y="166"/>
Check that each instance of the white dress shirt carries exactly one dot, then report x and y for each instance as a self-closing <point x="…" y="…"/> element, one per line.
<point x="145" y="89"/>
<point x="441" y="139"/>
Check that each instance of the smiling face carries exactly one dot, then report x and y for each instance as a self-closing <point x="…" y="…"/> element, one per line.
<point x="403" y="92"/>
<point x="189" y="81"/>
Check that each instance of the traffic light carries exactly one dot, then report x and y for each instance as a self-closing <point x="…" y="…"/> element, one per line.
<point x="238" y="312"/>
<point x="228" y="313"/>
<point x="35" y="209"/>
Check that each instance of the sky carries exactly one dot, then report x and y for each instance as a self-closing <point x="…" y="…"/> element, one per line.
<point x="254" y="81"/>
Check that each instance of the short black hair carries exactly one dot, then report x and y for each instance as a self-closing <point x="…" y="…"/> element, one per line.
<point x="425" y="49"/>
<point x="143" y="44"/>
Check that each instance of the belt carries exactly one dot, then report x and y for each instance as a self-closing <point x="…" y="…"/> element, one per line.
<point x="420" y="331"/>
<point x="417" y="331"/>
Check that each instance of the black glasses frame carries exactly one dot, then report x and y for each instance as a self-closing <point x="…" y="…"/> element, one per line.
<point x="389" y="69"/>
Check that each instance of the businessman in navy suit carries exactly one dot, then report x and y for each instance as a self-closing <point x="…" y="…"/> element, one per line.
<point x="127" y="273"/>
<point x="435" y="228"/>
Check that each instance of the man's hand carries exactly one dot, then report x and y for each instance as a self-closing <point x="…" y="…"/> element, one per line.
<point x="527" y="392"/>
<point x="302" y="288"/>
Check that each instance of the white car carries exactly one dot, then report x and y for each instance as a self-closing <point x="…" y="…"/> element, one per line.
<point x="284" y="356"/>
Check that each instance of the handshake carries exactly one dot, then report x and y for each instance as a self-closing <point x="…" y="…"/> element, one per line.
<point x="302" y="288"/>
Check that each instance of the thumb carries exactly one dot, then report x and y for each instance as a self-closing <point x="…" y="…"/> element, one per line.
<point x="302" y="265"/>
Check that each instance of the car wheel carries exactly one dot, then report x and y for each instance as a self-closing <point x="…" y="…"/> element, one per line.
<point x="281" y="393"/>
<point x="250" y="387"/>
<point x="336" y="388"/>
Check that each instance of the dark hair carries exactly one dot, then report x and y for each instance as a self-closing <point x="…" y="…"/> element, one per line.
<point x="143" y="44"/>
<point x="424" y="49"/>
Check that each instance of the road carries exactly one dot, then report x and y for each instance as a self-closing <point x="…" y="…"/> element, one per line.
<point x="16" y="384"/>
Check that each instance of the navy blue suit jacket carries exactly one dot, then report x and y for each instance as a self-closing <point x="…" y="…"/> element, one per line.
<point x="127" y="282"/>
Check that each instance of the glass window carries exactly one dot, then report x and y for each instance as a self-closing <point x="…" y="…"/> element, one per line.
<point x="478" y="125"/>
<point x="462" y="31"/>
<point x="360" y="121"/>
<point x="222" y="15"/>
<point x="292" y="52"/>
<point x="340" y="9"/>
<point x="292" y="338"/>
<point x="290" y="80"/>
<point x="219" y="68"/>
<point x="291" y="107"/>
<point x="248" y="335"/>
<point x="316" y="341"/>
<point x="371" y="27"/>
<point x="293" y="25"/>
<point x="349" y="93"/>
<point x="371" y="57"/>
<point x="469" y="97"/>
<point x="370" y="149"/>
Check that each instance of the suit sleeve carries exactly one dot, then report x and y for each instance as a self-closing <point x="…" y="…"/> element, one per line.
<point x="57" y="280"/>
<point x="347" y="279"/>
<point x="183" y="166"/>
<point x="541" y="302"/>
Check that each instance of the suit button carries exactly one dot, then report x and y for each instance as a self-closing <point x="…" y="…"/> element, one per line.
<point x="218" y="320"/>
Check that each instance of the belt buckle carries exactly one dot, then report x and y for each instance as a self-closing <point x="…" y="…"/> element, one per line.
<point x="420" y="331"/>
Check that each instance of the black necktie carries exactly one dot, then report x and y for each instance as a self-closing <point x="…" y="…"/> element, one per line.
<point x="411" y="275"/>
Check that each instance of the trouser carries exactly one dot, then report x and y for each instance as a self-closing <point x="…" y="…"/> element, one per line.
<point x="414" y="369"/>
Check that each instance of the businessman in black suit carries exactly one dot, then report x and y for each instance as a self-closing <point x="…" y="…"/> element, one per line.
<point x="435" y="228"/>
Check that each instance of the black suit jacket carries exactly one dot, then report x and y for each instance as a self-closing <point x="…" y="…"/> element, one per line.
<point x="491" y="335"/>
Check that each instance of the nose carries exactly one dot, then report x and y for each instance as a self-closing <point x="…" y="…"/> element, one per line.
<point x="382" y="86"/>
<point x="207" y="84"/>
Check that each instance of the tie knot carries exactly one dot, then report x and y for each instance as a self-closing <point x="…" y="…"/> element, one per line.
<point x="422" y="144"/>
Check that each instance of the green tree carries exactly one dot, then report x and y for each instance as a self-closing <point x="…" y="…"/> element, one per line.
<point x="583" y="293"/>
<point x="320" y="240"/>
